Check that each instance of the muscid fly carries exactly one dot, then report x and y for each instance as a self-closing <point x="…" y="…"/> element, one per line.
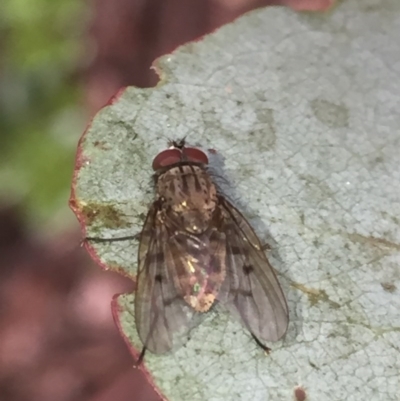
<point x="195" y="249"/>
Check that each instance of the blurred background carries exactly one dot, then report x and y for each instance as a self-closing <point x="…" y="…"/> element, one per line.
<point x="60" y="62"/>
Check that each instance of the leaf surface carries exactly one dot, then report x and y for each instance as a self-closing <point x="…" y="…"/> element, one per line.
<point x="303" y="111"/>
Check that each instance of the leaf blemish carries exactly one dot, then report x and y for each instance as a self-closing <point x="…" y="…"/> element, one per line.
<point x="315" y="296"/>
<point x="108" y="216"/>
<point x="374" y="241"/>
<point x="300" y="394"/>
<point x="389" y="287"/>
<point x="101" y="145"/>
<point x="330" y="114"/>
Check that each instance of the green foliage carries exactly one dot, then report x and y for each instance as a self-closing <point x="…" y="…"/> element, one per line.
<point x="40" y="119"/>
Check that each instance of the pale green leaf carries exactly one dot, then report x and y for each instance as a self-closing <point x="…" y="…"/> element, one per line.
<point x="303" y="111"/>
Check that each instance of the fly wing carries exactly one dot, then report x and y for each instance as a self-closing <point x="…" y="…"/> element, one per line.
<point x="251" y="288"/>
<point x="160" y="311"/>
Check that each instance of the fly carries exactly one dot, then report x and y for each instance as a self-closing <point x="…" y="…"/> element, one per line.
<point x="196" y="249"/>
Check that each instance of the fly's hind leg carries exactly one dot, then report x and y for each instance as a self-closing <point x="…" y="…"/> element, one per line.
<point x="266" y="349"/>
<point x="141" y="357"/>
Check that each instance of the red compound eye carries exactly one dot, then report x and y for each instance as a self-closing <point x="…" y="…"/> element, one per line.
<point x="195" y="155"/>
<point x="166" y="158"/>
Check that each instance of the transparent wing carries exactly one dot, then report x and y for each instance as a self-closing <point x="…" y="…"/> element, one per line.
<point x="251" y="288"/>
<point x="160" y="311"/>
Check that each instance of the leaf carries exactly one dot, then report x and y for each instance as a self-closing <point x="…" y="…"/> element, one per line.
<point x="303" y="113"/>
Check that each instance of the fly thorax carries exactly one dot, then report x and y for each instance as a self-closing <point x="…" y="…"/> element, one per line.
<point x="189" y="197"/>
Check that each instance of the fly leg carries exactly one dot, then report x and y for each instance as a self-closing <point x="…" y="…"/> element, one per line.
<point x="99" y="240"/>
<point x="245" y="293"/>
<point x="141" y="357"/>
<point x="260" y="344"/>
<point x="150" y="334"/>
<point x="266" y="247"/>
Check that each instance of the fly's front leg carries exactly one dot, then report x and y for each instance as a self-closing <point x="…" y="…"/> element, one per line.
<point x="135" y="237"/>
